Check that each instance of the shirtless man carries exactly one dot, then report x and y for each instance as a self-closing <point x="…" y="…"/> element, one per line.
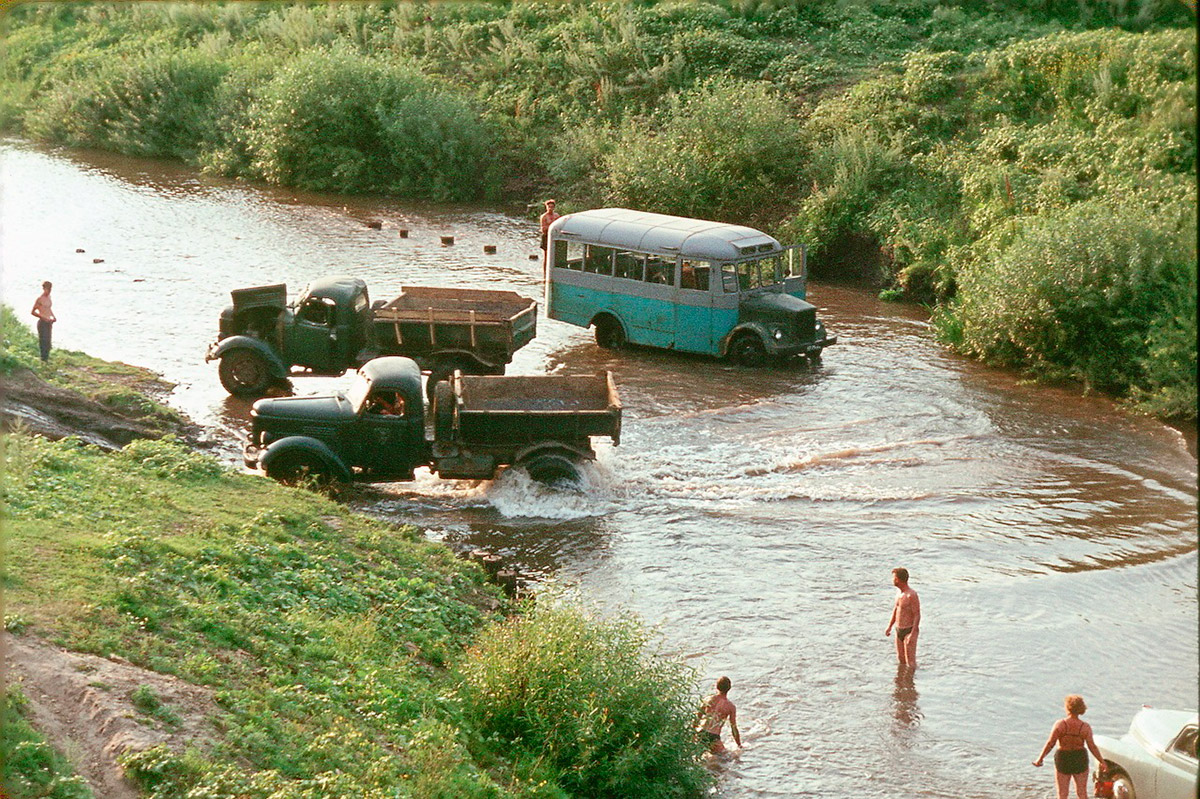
<point x="46" y="319"/>
<point x="712" y="716"/>
<point x="548" y="219"/>
<point x="906" y="618"/>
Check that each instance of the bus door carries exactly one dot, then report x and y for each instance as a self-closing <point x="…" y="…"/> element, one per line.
<point x="659" y="292"/>
<point x="628" y="297"/>
<point x="694" y="307"/>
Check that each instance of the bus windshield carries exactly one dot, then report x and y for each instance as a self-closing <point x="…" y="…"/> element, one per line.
<point x="759" y="273"/>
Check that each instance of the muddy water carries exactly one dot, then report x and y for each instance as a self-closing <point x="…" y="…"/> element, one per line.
<point x="753" y="515"/>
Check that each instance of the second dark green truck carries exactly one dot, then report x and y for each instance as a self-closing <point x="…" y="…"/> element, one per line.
<point x="333" y="326"/>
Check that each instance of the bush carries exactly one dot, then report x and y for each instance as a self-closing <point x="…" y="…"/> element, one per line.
<point x="155" y="105"/>
<point x="728" y="150"/>
<point x="584" y="703"/>
<point x="340" y="122"/>
<point x="1089" y="294"/>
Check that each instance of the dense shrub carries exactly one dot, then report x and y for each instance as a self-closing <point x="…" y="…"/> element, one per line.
<point x="584" y="703"/>
<point x="336" y="121"/>
<point x="728" y="149"/>
<point x="1093" y="293"/>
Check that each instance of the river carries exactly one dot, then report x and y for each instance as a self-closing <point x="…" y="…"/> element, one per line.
<point x="753" y="516"/>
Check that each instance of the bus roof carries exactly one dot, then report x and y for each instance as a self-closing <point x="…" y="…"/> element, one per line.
<point x="659" y="233"/>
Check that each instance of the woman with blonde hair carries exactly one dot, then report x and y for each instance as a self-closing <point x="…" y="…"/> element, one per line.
<point x="1072" y="735"/>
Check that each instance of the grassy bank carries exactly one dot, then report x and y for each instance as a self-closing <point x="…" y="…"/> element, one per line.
<point x="939" y="143"/>
<point x="344" y="657"/>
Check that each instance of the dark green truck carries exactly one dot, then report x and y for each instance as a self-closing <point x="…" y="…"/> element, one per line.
<point x="333" y="327"/>
<point x="376" y="430"/>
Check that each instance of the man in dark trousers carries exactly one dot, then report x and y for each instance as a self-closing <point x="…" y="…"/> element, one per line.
<point x="44" y="312"/>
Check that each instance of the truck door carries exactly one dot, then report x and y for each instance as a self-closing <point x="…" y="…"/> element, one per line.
<point x="311" y="338"/>
<point x="388" y="432"/>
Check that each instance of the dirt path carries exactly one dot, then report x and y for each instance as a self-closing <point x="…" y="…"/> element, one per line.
<point x="83" y="705"/>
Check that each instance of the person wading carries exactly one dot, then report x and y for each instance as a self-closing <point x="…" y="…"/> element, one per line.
<point x="906" y="618"/>
<point x="1074" y="738"/>
<point x="712" y="717"/>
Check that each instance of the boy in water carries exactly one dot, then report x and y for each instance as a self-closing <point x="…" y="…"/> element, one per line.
<point x="906" y="618"/>
<point x="712" y="717"/>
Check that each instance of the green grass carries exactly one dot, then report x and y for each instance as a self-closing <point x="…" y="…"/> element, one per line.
<point x="336" y="646"/>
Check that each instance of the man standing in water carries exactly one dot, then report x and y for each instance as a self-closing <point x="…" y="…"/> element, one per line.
<point x="45" y="316"/>
<point x="906" y="618"/>
<point x="547" y="220"/>
<point x="712" y="717"/>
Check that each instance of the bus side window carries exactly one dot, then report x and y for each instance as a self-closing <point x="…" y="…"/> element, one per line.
<point x="598" y="260"/>
<point x="729" y="279"/>
<point x="660" y="270"/>
<point x="560" y="254"/>
<point x="629" y="265"/>
<point x="694" y="275"/>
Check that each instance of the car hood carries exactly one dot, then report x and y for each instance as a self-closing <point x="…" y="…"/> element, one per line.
<point x="1155" y="729"/>
<point x="325" y="408"/>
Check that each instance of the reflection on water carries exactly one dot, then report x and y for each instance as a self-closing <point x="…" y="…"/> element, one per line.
<point x="754" y="515"/>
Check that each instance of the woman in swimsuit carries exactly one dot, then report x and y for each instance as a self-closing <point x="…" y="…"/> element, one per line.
<point x="1072" y="735"/>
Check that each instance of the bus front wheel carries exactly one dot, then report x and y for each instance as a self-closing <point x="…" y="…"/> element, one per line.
<point x="609" y="333"/>
<point x="748" y="351"/>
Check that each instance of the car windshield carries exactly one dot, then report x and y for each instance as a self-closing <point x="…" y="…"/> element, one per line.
<point x="356" y="395"/>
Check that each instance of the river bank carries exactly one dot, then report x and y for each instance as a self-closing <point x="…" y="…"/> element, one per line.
<point x="173" y="626"/>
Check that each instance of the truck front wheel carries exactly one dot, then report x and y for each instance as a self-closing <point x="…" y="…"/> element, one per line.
<point x="295" y="468"/>
<point x="245" y="373"/>
<point x="551" y="469"/>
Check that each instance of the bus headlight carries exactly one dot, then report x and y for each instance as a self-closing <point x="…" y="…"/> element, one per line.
<point x="778" y="334"/>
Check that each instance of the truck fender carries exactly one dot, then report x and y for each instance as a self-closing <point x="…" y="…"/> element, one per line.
<point x="248" y="342"/>
<point x="567" y="451"/>
<point x="553" y="463"/>
<point x="308" y="445"/>
<point x="449" y="360"/>
<point x="746" y="328"/>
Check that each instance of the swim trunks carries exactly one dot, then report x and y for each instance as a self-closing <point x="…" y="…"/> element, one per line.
<point x="902" y="632"/>
<point x="711" y="737"/>
<point x="1071" y="761"/>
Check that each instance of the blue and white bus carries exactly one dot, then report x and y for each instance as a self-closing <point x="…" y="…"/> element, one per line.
<point x="682" y="284"/>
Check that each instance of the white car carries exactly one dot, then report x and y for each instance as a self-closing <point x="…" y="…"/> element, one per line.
<point x="1156" y="759"/>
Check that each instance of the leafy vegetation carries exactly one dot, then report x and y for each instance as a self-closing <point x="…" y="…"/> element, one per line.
<point x="918" y="135"/>
<point x="336" y="646"/>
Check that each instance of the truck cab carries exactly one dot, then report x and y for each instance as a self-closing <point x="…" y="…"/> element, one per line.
<point x="373" y="431"/>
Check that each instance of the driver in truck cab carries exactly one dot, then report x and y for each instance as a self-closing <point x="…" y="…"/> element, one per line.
<point x="387" y="403"/>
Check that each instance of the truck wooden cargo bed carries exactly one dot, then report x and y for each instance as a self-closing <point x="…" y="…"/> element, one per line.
<point x="492" y="324"/>
<point x="508" y="412"/>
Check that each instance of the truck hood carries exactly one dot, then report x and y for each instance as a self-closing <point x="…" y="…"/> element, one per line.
<point x="773" y="305"/>
<point x="326" y="408"/>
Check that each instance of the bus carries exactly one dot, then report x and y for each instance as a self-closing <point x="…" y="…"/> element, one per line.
<point x="681" y="284"/>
